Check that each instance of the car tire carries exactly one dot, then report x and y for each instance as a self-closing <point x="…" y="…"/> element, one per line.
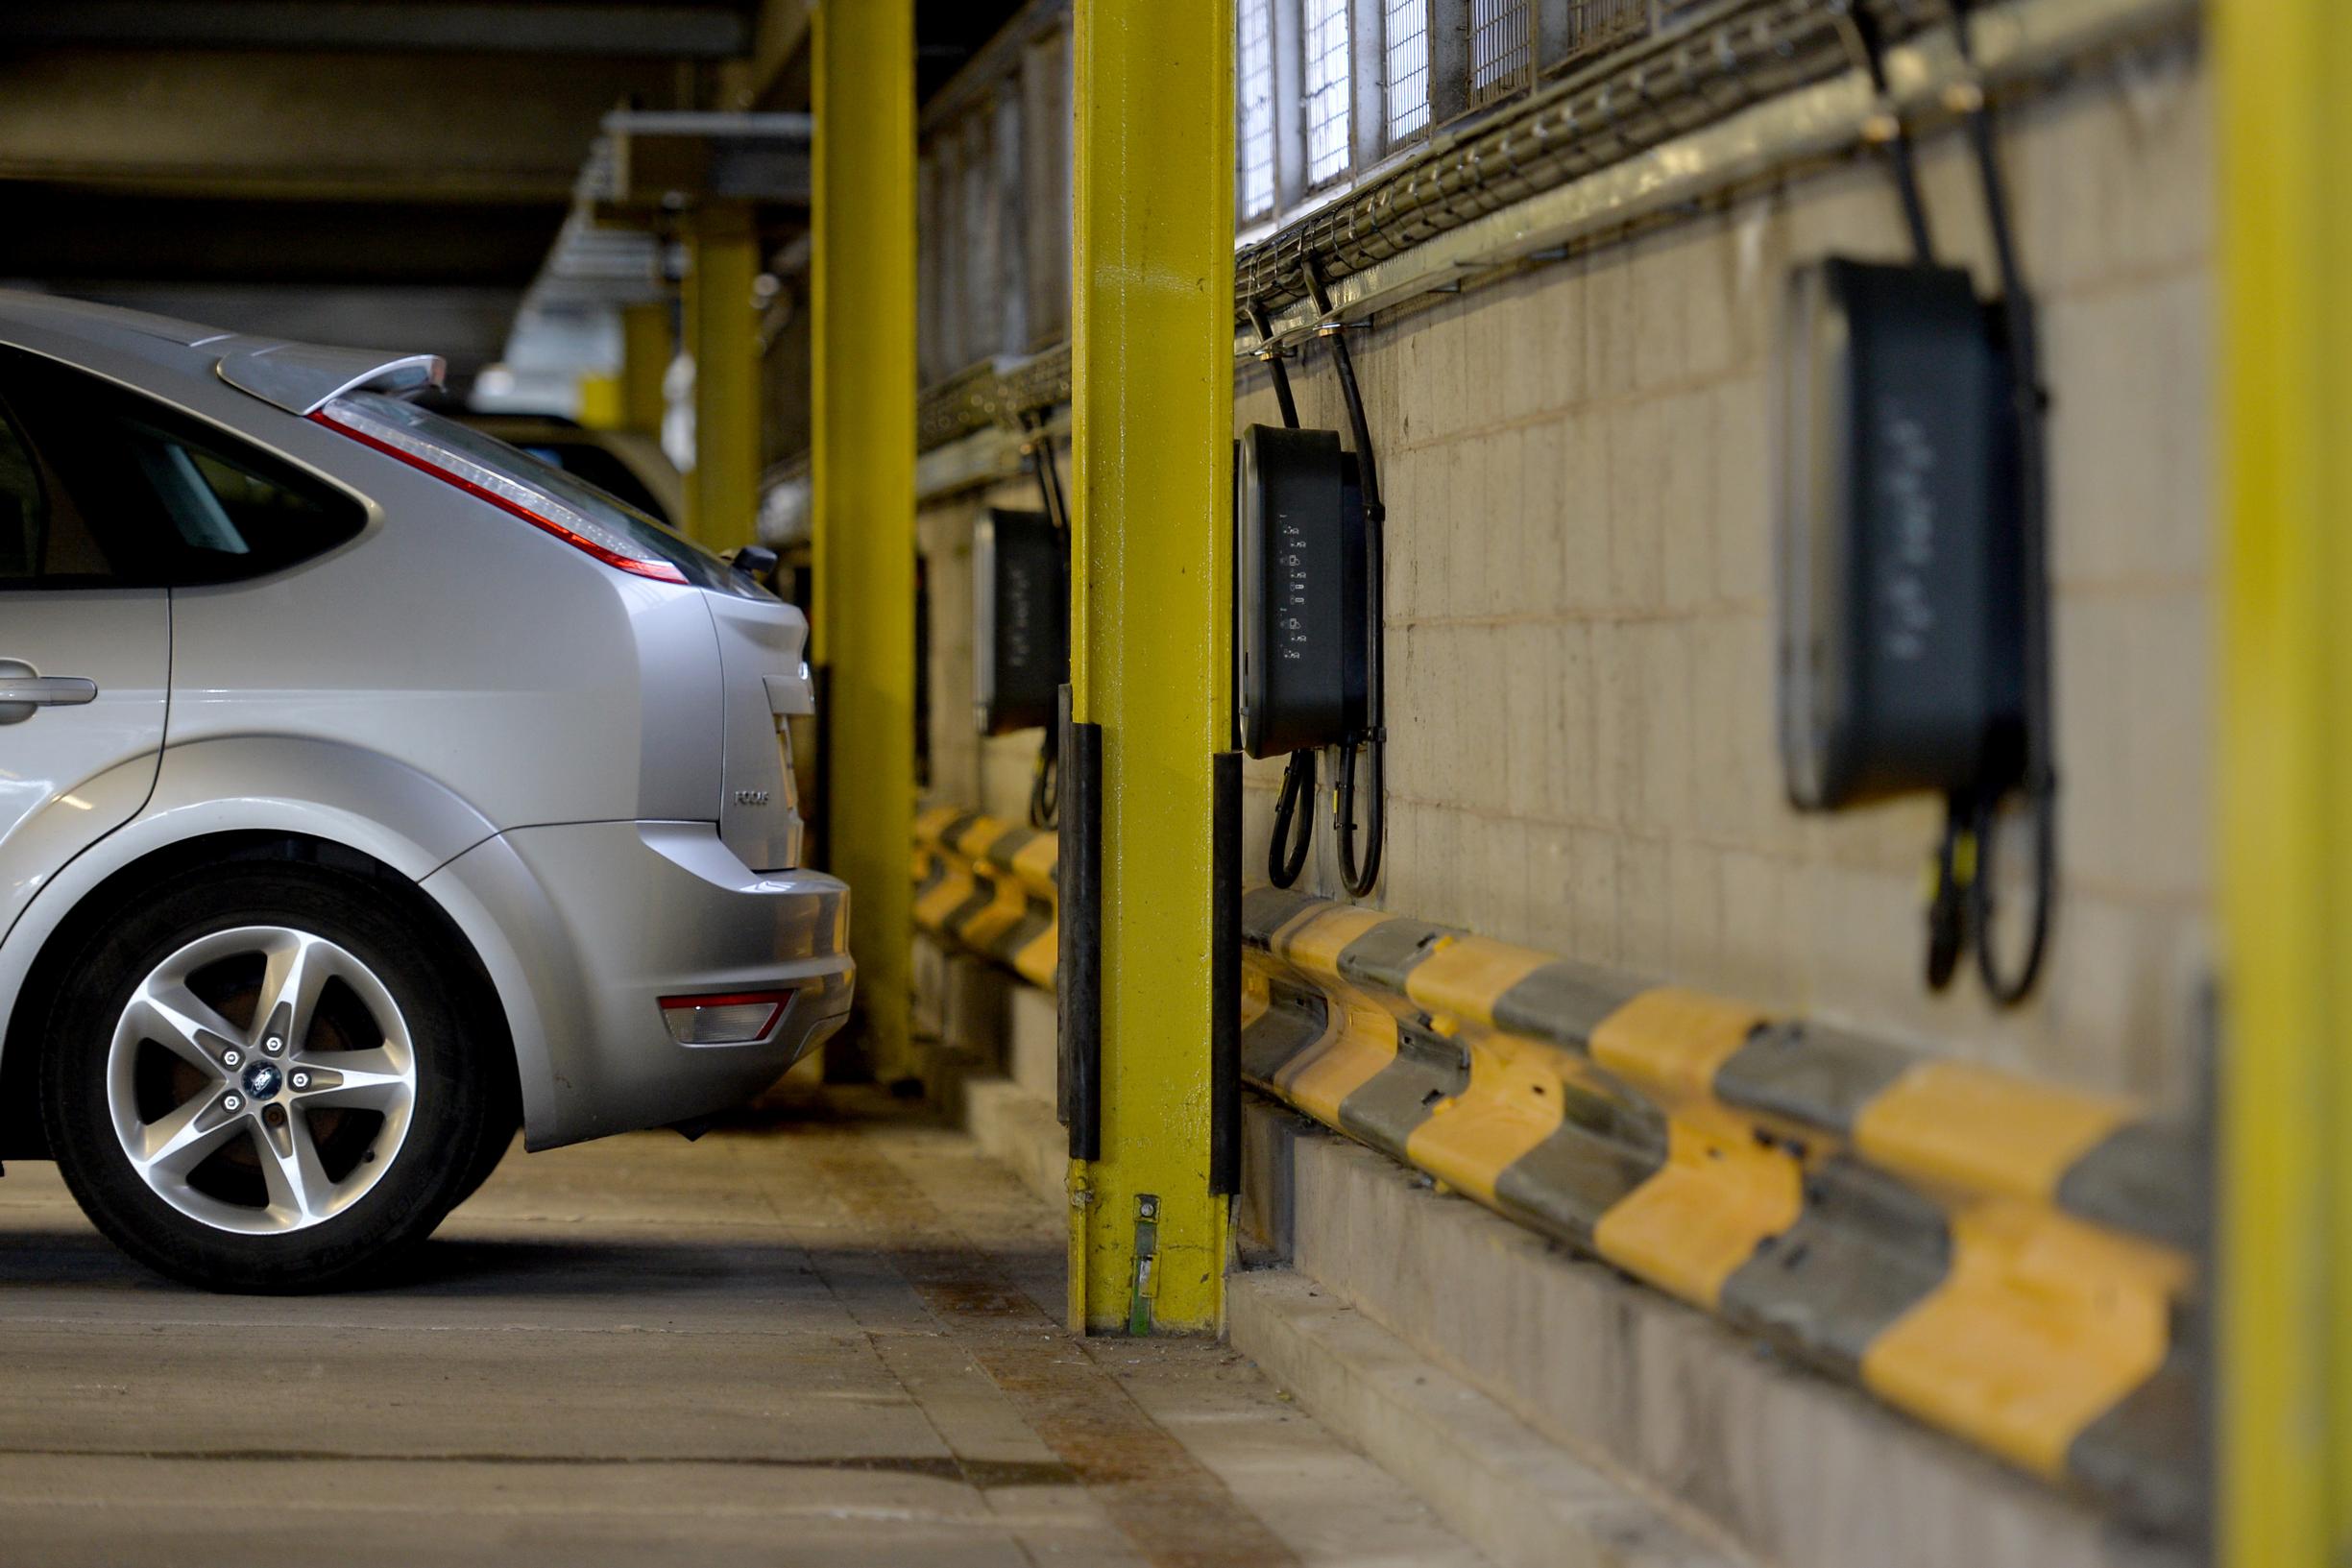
<point x="264" y="1079"/>
<point x="498" y="1137"/>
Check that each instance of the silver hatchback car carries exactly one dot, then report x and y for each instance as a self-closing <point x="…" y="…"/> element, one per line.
<point x="367" y="787"/>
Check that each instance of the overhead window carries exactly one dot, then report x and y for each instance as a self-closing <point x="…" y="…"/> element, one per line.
<point x="1327" y="89"/>
<point x="1594" y="25"/>
<point x="1408" y="67"/>
<point x="1253" y="93"/>
<point x="1502" y="49"/>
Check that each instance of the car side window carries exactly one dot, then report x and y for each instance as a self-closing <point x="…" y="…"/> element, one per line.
<point x="43" y="538"/>
<point x="24" y="511"/>
<point x="122" y="490"/>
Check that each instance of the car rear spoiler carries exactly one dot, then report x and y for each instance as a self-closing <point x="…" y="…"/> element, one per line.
<point x="301" y="377"/>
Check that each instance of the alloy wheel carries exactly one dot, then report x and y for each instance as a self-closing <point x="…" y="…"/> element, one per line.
<point x="262" y="1079"/>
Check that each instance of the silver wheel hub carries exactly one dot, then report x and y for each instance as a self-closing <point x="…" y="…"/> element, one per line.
<point x="276" y="1124"/>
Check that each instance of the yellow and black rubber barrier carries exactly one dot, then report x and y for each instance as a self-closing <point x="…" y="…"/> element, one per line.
<point x="2011" y="1262"/>
<point x="989" y="886"/>
<point x="2014" y="1263"/>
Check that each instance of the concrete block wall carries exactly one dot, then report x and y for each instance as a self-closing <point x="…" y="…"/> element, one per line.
<point x="990" y="773"/>
<point x="1579" y="614"/>
<point x="1004" y="1026"/>
<point x="1579" y="654"/>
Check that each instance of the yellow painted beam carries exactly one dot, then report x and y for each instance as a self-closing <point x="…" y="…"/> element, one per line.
<point x="780" y="33"/>
<point x="645" y="353"/>
<point x="600" y="401"/>
<point x="862" y="296"/>
<point x="723" y="493"/>
<point x="2284" y="1411"/>
<point x="1152" y="618"/>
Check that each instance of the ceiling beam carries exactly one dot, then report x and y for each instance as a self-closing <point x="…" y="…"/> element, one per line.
<point x="457" y="127"/>
<point x="467" y="326"/>
<point x="715" y="30"/>
<point x="668" y="160"/>
<point x="99" y="234"/>
<point x="775" y="75"/>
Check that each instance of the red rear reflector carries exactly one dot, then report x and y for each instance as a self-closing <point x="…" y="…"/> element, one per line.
<point x="734" y="1018"/>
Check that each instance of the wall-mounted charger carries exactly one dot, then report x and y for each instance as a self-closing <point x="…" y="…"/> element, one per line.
<point x="1020" y="621"/>
<point x="1899" y="538"/>
<point x="1299" y="605"/>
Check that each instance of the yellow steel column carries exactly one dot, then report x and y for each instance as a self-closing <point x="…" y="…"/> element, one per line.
<point x="645" y="353"/>
<point x="862" y="295"/>
<point x="1151" y="623"/>
<point x="2284" y="1407"/>
<point x="722" y="258"/>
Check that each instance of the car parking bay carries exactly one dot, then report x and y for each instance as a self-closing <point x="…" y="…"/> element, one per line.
<point x="829" y="1334"/>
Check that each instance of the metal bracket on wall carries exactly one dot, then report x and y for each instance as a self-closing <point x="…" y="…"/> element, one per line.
<point x="1147" y="1247"/>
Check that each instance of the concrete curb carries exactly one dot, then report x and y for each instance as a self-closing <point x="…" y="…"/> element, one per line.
<point x="1018" y="1127"/>
<point x="1702" y="1421"/>
<point x="1519" y="1497"/>
<point x="1514" y="1494"/>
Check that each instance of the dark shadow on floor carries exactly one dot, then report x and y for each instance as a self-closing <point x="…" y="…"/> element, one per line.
<point x="459" y="1268"/>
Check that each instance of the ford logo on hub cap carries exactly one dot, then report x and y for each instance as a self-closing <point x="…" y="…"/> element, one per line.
<point x="262" y="1079"/>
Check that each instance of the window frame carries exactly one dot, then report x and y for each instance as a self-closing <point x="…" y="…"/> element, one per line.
<point x="1245" y="214"/>
<point x="1558" y="36"/>
<point x="1369" y="144"/>
<point x="1345" y="12"/>
<point x="1389" y="137"/>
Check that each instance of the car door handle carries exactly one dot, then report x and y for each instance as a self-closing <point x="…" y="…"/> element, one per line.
<point x="46" y="691"/>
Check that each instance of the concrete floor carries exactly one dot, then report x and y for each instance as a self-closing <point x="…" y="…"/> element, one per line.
<point x="828" y="1336"/>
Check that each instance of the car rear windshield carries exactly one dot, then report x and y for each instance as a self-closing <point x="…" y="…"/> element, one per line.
<point x="698" y="566"/>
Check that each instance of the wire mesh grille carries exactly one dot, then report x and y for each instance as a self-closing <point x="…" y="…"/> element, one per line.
<point x="1502" y="49"/>
<point x="1407" y="42"/>
<point x="1253" y="89"/>
<point x="1594" y="25"/>
<point x="1326" y="89"/>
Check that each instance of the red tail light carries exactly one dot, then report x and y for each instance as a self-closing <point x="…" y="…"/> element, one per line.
<point x="419" y="450"/>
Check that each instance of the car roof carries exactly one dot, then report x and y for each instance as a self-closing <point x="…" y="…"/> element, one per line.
<point x="297" y="378"/>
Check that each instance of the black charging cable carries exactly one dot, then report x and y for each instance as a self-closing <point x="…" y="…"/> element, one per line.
<point x="1962" y="900"/>
<point x="2030" y="404"/>
<point x="1359" y="879"/>
<point x="1045" y="781"/>
<point x="1860" y="26"/>
<point x="1272" y="356"/>
<point x="1286" y="852"/>
<point x="1045" y="775"/>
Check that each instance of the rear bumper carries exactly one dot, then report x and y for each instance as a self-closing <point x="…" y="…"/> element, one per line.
<point x="599" y="921"/>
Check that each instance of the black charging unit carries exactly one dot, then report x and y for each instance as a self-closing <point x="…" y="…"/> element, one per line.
<point x="1913" y="542"/>
<point x="1020" y="619"/>
<point x="1900" y="635"/>
<point x="1309" y="541"/>
<point x="1299" y="643"/>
